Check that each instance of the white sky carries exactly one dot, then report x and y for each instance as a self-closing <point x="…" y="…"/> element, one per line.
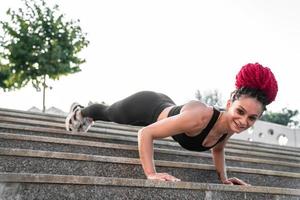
<point x="174" y="47"/>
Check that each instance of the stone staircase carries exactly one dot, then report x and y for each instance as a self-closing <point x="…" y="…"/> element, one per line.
<point x="40" y="160"/>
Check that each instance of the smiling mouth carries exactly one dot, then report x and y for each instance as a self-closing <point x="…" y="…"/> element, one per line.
<point x="238" y="127"/>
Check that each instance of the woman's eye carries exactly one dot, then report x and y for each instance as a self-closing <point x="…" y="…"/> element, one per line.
<point x="239" y="111"/>
<point x="252" y="118"/>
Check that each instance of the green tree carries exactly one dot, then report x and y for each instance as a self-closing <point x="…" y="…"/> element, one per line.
<point x="37" y="44"/>
<point x="210" y="97"/>
<point x="285" y="117"/>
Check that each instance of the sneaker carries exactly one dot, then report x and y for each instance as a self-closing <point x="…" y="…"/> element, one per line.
<point x="75" y="122"/>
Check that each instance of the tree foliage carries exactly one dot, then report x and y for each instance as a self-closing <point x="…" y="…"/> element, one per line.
<point x="210" y="97"/>
<point x="37" y="42"/>
<point x="285" y="117"/>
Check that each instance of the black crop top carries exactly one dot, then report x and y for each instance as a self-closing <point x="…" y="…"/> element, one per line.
<point x="195" y="143"/>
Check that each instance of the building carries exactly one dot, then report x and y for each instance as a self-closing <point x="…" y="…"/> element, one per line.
<point x="271" y="133"/>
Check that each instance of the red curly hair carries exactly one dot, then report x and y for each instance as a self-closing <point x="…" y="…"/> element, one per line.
<point x="256" y="76"/>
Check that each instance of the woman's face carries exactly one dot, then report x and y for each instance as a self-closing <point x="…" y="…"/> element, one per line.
<point x="243" y="113"/>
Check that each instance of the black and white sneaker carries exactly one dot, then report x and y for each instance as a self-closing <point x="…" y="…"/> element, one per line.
<point x="75" y="122"/>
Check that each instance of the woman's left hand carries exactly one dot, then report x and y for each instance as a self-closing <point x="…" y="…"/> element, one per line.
<point x="235" y="181"/>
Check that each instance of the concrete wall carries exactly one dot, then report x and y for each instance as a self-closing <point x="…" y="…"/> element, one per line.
<point x="271" y="133"/>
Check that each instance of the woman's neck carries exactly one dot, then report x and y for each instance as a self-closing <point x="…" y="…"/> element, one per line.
<point x="222" y="125"/>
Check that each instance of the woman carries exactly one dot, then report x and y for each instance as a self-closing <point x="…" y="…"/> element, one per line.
<point x="194" y="125"/>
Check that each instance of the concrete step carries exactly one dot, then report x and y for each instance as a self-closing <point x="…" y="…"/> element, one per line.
<point x="37" y="156"/>
<point x="132" y="140"/>
<point x="32" y="186"/>
<point x="49" y="162"/>
<point x="124" y="132"/>
<point x="57" y="121"/>
<point x="37" y="186"/>
<point x="20" y="141"/>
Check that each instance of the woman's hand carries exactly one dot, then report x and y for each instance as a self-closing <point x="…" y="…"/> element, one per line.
<point x="235" y="181"/>
<point x="162" y="177"/>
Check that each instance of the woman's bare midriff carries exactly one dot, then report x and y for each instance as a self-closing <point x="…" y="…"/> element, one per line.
<point x="190" y="105"/>
<point x="164" y="113"/>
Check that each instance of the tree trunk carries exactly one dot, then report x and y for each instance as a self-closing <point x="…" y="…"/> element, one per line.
<point x="44" y="94"/>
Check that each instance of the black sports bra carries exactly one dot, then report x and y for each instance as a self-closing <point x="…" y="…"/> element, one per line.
<point x="195" y="143"/>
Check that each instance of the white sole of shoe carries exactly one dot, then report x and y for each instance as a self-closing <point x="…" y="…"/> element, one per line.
<point x="70" y="115"/>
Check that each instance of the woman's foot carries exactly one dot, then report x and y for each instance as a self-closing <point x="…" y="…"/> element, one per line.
<point x="75" y="122"/>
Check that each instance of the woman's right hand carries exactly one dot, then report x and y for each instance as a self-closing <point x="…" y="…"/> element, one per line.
<point x="162" y="177"/>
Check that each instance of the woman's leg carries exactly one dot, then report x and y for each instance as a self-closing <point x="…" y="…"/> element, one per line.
<point x="140" y="109"/>
<point x="96" y="112"/>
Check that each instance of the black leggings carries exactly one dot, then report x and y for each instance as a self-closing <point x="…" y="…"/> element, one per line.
<point x="141" y="109"/>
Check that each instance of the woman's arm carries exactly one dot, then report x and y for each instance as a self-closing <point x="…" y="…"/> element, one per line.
<point x="161" y="129"/>
<point x="218" y="155"/>
<point x="219" y="161"/>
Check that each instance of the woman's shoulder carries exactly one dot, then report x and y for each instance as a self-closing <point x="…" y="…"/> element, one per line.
<point x="197" y="112"/>
<point x="198" y="108"/>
